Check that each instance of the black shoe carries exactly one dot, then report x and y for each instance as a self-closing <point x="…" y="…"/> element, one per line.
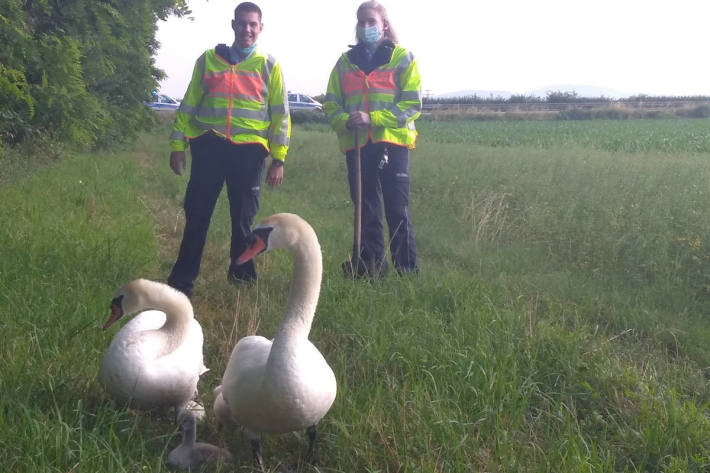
<point x="353" y="270"/>
<point x="242" y="273"/>
<point x="182" y="288"/>
<point x="356" y="269"/>
<point x="410" y="272"/>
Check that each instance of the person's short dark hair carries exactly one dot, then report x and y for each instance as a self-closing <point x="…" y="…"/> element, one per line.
<point x="247" y="7"/>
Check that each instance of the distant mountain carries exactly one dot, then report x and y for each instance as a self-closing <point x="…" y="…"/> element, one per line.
<point x="581" y="90"/>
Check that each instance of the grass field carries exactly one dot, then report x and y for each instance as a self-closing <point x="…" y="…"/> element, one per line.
<point x="560" y="323"/>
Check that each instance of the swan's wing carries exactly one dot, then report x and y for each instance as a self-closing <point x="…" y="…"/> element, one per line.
<point x="308" y="388"/>
<point x="221" y="408"/>
<point x="195" y="338"/>
<point x="318" y="375"/>
<point x="252" y="350"/>
<point x="179" y="371"/>
<point x="135" y="367"/>
<point x="245" y="371"/>
<point x="123" y="362"/>
<point x="147" y="320"/>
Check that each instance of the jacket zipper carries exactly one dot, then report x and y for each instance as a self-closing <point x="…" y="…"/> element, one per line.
<point x="229" y="108"/>
<point x="367" y="107"/>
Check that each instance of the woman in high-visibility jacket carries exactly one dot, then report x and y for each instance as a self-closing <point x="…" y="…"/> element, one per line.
<point x="234" y="114"/>
<point x="375" y="88"/>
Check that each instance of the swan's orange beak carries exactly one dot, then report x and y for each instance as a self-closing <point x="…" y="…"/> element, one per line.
<point x="116" y="313"/>
<point x="256" y="246"/>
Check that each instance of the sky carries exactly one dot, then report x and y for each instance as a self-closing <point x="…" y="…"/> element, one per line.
<point x="653" y="47"/>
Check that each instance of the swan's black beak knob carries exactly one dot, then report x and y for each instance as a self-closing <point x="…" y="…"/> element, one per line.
<point x="257" y="242"/>
<point x="116" y="311"/>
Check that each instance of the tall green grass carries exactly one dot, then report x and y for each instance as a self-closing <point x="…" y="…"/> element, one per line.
<point x="559" y="323"/>
<point x="664" y="135"/>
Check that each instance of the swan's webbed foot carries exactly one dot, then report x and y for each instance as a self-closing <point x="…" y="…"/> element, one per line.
<point x="311" y="456"/>
<point x="256" y="451"/>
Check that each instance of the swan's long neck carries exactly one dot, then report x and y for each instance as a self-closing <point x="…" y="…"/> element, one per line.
<point x="303" y="296"/>
<point x="189" y="435"/>
<point x="178" y="315"/>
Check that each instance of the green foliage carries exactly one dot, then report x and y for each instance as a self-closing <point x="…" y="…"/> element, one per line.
<point x="308" y="116"/>
<point x="65" y="106"/>
<point x="19" y="107"/>
<point x="701" y="111"/>
<point x="78" y="70"/>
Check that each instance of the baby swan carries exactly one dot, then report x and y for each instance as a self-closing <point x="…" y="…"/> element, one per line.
<point x="191" y="455"/>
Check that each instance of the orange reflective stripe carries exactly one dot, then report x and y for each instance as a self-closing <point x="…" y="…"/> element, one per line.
<point x="382" y="80"/>
<point x="228" y="83"/>
<point x="353" y="82"/>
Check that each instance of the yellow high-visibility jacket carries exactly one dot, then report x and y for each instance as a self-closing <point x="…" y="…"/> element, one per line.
<point x="244" y="102"/>
<point x="391" y="94"/>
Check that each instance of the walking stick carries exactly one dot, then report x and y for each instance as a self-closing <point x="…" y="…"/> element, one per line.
<point x="355" y="261"/>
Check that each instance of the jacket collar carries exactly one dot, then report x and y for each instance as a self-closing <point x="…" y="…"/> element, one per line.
<point x="230" y="54"/>
<point x="359" y="56"/>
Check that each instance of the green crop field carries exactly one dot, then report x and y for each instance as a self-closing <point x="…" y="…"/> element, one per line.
<point x="560" y="323"/>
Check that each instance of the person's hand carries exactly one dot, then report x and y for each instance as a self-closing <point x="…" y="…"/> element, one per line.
<point x="358" y="119"/>
<point x="177" y="162"/>
<point x="275" y="173"/>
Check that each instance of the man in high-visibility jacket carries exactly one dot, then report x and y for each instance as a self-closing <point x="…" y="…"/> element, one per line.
<point x="234" y="114"/>
<point x="375" y="88"/>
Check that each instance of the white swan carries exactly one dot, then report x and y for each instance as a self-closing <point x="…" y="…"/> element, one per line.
<point x="282" y="385"/>
<point x="221" y="410"/>
<point x="191" y="455"/>
<point x="155" y="360"/>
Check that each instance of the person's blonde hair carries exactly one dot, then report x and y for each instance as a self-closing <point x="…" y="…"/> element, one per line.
<point x="389" y="32"/>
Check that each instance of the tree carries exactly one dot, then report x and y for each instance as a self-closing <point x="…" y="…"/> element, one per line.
<point x="78" y="70"/>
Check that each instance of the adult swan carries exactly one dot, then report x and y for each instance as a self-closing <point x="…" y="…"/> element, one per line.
<point x="285" y="384"/>
<point x="155" y="360"/>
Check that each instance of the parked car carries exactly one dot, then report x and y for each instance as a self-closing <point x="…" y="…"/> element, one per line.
<point x="163" y="102"/>
<point x="303" y="102"/>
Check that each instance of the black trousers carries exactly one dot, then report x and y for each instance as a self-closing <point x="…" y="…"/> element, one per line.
<point x="386" y="183"/>
<point x="215" y="161"/>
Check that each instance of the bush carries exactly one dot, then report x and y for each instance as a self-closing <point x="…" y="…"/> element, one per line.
<point x="701" y="111"/>
<point x="19" y="107"/>
<point x="78" y="71"/>
<point x="308" y="116"/>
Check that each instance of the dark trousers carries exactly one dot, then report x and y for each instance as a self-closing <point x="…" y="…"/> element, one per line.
<point x="388" y="183"/>
<point x="214" y="162"/>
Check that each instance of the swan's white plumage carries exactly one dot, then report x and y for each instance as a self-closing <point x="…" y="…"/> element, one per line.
<point x="284" y="385"/>
<point x="221" y="410"/>
<point x="151" y="363"/>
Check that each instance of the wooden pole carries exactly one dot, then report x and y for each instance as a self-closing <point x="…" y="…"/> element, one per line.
<point x="358" y="206"/>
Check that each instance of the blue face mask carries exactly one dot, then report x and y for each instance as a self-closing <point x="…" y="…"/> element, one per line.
<point x="369" y="34"/>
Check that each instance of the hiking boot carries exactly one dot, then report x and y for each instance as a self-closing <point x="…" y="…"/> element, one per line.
<point x="356" y="269"/>
<point x="242" y="273"/>
<point x="410" y="272"/>
<point x="187" y="290"/>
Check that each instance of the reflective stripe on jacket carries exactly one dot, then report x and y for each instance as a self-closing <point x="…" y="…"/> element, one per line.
<point x="244" y="102"/>
<point x="390" y="94"/>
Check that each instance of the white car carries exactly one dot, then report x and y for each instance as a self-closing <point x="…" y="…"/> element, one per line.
<point x="303" y="102"/>
<point x="163" y="102"/>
